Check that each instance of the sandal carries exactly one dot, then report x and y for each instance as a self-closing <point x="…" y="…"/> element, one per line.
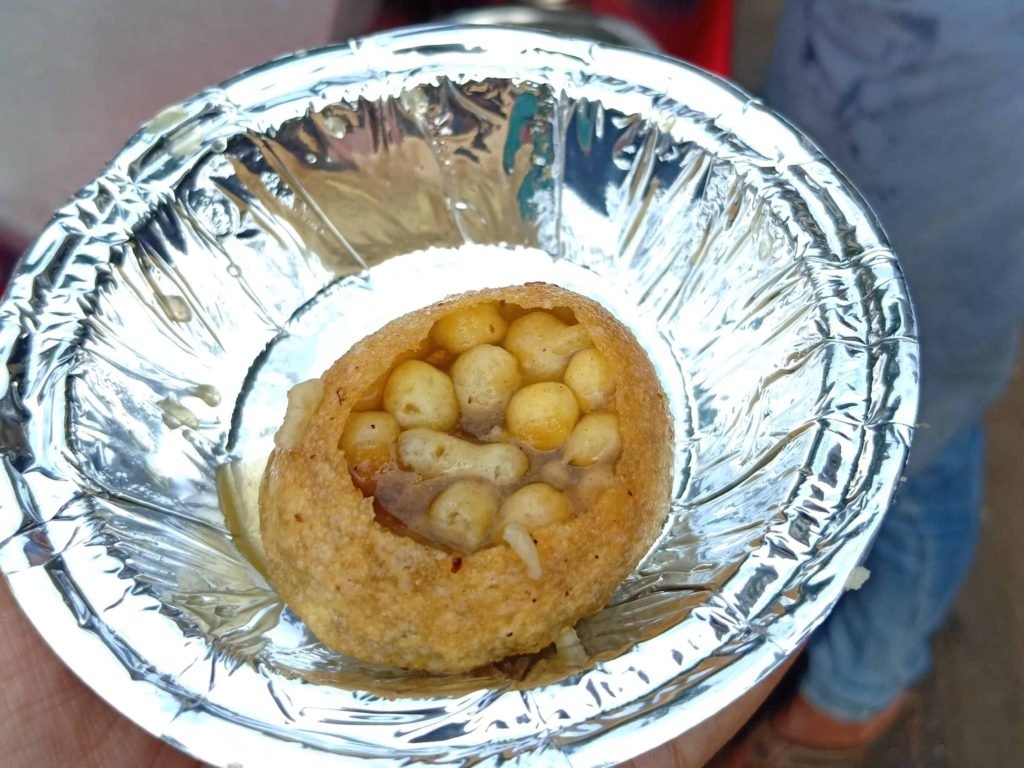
<point x="762" y="745"/>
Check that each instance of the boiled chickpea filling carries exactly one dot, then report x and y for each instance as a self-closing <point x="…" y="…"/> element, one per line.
<point x="503" y="422"/>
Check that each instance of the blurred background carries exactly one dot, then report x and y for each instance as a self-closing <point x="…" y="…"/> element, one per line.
<point x="79" y="76"/>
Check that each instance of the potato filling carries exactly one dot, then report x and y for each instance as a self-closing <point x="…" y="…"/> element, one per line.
<point x="503" y="423"/>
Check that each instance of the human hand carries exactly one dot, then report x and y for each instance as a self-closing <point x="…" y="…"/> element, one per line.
<point x="698" y="745"/>
<point x="49" y="717"/>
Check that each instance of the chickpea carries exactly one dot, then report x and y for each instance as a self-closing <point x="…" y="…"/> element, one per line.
<point x="543" y="415"/>
<point x="433" y="454"/>
<point x="590" y="378"/>
<point x="535" y="505"/>
<point x="594" y="482"/>
<point x="543" y="344"/>
<point x="372" y="397"/>
<point x="303" y="400"/>
<point x="370" y="438"/>
<point x="485" y="379"/>
<point x="468" y="327"/>
<point x="419" y="395"/>
<point x="595" y="439"/>
<point x="462" y="514"/>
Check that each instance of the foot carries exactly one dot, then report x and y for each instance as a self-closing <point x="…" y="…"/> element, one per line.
<point x="799" y="735"/>
<point x="803" y="723"/>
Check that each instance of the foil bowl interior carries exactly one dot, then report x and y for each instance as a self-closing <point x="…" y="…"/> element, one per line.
<point x="244" y="239"/>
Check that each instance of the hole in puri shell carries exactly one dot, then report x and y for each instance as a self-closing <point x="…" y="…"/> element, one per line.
<point x="402" y="500"/>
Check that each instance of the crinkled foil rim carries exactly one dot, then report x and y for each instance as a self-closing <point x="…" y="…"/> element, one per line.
<point x="727" y="650"/>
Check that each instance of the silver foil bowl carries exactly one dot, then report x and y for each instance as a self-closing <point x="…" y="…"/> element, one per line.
<point x="244" y="239"/>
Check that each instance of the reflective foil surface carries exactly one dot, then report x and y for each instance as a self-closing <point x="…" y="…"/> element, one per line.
<point x="245" y="239"/>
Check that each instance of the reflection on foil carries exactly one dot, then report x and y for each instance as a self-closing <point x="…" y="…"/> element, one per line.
<point x="245" y="239"/>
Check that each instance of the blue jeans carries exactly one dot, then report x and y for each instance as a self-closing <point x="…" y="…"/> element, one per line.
<point x="915" y="100"/>
<point x="876" y="642"/>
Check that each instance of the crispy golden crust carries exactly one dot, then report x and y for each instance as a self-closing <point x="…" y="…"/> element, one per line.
<point x="380" y="596"/>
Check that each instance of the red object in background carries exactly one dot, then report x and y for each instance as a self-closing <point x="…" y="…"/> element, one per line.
<point x="700" y="32"/>
<point x="10" y="248"/>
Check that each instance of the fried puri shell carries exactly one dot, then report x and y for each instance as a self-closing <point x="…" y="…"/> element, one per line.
<point x="381" y="596"/>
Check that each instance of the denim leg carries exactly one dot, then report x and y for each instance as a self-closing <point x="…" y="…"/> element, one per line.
<point x="877" y="641"/>
<point x="909" y="99"/>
